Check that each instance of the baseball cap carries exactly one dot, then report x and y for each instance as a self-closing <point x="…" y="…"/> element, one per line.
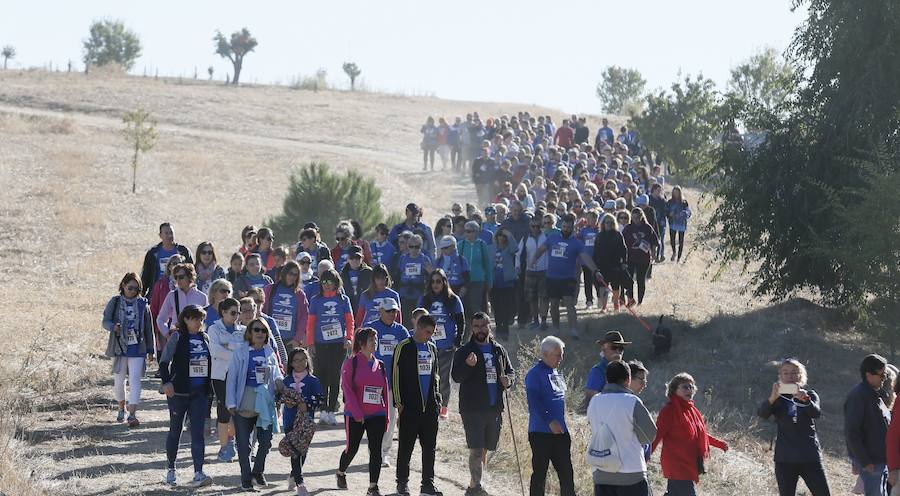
<point x="389" y="304"/>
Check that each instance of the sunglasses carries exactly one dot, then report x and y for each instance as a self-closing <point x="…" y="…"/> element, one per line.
<point x="131" y="288"/>
<point x="305" y="262"/>
<point x="206" y="252"/>
<point x="413" y="247"/>
<point x="259" y="330"/>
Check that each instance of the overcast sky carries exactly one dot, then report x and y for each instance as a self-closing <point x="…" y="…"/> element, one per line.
<point x="547" y="53"/>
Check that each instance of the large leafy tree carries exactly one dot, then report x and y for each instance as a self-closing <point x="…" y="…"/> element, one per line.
<point x="765" y="78"/>
<point x="235" y="49"/>
<point x="682" y="124"/>
<point x="110" y="42"/>
<point x="790" y="208"/>
<point x="619" y="88"/>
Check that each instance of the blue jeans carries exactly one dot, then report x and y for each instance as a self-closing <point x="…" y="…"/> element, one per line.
<point x="243" y="426"/>
<point x="875" y="482"/>
<point x="195" y="406"/>
<point x="680" y="488"/>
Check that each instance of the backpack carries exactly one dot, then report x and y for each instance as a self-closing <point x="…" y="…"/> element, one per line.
<point x="603" y="450"/>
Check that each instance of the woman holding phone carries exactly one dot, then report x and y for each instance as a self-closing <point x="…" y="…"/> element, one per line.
<point x="797" y="449"/>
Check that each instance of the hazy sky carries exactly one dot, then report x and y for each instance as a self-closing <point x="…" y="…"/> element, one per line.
<point x="549" y="53"/>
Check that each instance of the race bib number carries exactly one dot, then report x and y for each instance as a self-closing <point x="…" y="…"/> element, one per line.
<point x="372" y="395"/>
<point x="386" y="348"/>
<point x="413" y="269"/>
<point x="283" y="321"/>
<point x="332" y="331"/>
<point x="589" y="241"/>
<point x="558" y="252"/>
<point x="424" y="363"/>
<point x="439" y="332"/>
<point x="262" y="374"/>
<point x="131" y="337"/>
<point x="199" y="367"/>
<point x="491" y="374"/>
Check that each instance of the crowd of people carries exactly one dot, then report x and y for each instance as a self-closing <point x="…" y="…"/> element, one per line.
<point x="289" y="337"/>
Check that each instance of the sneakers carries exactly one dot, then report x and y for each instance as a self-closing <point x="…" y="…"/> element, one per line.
<point x="301" y="490"/>
<point x="291" y="483"/>
<point x="341" y="480"/>
<point x="224" y="455"/>
<point x="476" y="491"/>
<point x="170" y="477"/>
<point x="260" y="480"/>
<point x="373" y="491"/>
<point x="588" y="304"/>
<point x="445" y="413"/>
<point x="385" y="461"/>
<point x="430" y="491"/>
<point x="402" y="489"/>
<point x="248" y="488"/>
<point x="133" y="421"/>
<point x="200" y="479"/>
<point x="327" y="418"/>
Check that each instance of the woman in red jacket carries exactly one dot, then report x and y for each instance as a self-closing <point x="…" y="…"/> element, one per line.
<point x="681" y="429"/>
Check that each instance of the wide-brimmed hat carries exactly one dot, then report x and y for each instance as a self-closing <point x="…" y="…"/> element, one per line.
<point x="614" y="337"/>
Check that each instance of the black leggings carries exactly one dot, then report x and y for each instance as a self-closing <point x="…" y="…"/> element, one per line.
<point x="329" y="358"/>
<point x="638" y="271"/>
<point x="374" y="429"/>
<point x="223" y="416"/>
<point x="296" y="460"/>
<point x="680" y="235"/>
<point x="788" y="474"/>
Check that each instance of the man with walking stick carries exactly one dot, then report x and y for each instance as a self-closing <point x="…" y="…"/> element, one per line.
<point x="482" y="369"/>
<point x="548" y="436"/>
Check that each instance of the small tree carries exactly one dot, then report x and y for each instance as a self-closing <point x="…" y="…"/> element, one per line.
<point x="8" y="52"/>
<point x="140" y="133"/>
<point x="235" y="49"/>
<point x="619" y="88"/>
<point x="353" y="72"/>
<point x="211" y="70"/>
<point x="110" y="42"/>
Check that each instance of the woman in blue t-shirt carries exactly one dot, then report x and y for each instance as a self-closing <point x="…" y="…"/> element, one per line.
<point x="447" y="309"/>
<point x="130" y="343"/>
<point x="370" y="300"/>
<point x="413" y="268"/>
<point x="253" y="277"/>
<point x="678" y="213"/>
<point x="184" y="368"/>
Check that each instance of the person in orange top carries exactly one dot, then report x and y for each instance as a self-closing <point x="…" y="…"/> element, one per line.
<point x="681" y="429"/>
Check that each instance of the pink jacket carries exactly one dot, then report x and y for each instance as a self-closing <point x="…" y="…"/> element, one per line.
<point x="168" y="315"/>
<point x="365" y="395"/>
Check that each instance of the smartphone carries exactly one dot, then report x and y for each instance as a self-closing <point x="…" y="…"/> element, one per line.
<point x="789" y="389"/>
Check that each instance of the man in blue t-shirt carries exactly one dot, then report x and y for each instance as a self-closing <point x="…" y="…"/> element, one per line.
<point x="566" y="252"/>
<point x="612" y="347"/>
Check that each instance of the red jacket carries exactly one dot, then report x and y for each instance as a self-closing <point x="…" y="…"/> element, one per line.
<point x="680" y="450"/>
<point x="893" y="438"/>
<point x="158" y="296"/>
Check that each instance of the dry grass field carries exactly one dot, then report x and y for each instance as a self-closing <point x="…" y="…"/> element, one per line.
<point x="70" y="227"/>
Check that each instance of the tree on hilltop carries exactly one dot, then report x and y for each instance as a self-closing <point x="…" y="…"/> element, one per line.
<point x="110" y="42"/>
<point x="353" y="72"/>
<point x="8" y="52"/>
<point x="235" y="49"/>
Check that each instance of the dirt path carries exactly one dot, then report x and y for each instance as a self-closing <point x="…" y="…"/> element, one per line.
<point x="86" y="452"/>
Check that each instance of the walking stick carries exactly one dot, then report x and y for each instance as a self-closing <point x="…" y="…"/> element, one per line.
<point x="512" y="431"/>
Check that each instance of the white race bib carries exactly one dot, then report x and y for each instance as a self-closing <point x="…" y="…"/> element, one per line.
<point x="386" y="347"/>
<point x="199" y="367"/>
<point x="413" y="269"/>
<point x="262" y="374"/>
<point x="557" y="383"/>
<point x="589" y="241"/>
<point x="439" y="332"/>
<point x="491" y="373"/>
<point x="372" y="395"/>
<point x="558" y="252"/>
<point x="258" y="285"/>
<point x="131" y="337"/>
<point x="162" y="264"/>
<point x="424" y="363"/>
<point x="283" y="322"/>
<point x="332" y="331"/>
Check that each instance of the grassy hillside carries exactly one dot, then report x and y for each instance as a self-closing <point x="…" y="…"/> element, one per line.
<point x="69" y="229"/>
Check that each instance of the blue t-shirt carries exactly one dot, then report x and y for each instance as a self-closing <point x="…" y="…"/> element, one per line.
<point x="562" y="262"/>
<point x="312" y="394"/>
<point x="445" y="333"/>
<point x="499" y="279"/>
<point x="372" y="306"/>
<point x="490" y="367"/>
<point x="413" y="276"/>
<point x="284" y="310"/>
<point x="257" y="368"/>
<point x="424" y="362"/>
<point x="388" y="339"/>
<point x="199" y="353"/>
<point x="330" y="322"/>
<point x="383" y="253"/>
<point x="587" y="235"/>
<point x="162" y="258"/>
<point x="132" y="335"/>
<point x="455" y="266"/>
<point x="312" y="287"/>
<point x="597" y="376"/>
<point x="257" y="281"/>
<point x="487" y="236"/>
<point x="212" y="315"/>
<point x="546" y="392"/>
<point x="342" y="259"/>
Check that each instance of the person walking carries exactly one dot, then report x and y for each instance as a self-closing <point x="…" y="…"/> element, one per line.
<point x="503" y="290"/>
<point x="364" y="382"/>
<point x="417" y="398"/>
<point x="390" y="334"/>
<point x="686" y="442"/>
<point x="482" y="369"/>
<point x="798" y="453"/>
<point x="157" y="258"/>
<point x="620" y="427"/>
<point x="677" y="212"/>
<point x="287" y="304"/>
<point x="225" y="336"/>
<point x="252" y="380"/>
<point x="130" y="344"/>
<point x="642" y="242"/>
<point x="446" y="308"/>
<point x="548" y="435"/>
<point x="371" y="299"/>
<point x="184" y="369"/>
<point x="185" y="293"/>
<point x="612" y="348"/>
<point x="299" y="378"/>
<point x="329" y="334"/>
<point x="866" y="420"/>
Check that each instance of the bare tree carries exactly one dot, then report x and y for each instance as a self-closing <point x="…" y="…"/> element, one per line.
<point x="8" y="52"/>
<point x="140" y="133"/>
<point x="353" y="71"/>
<point x="234" y="49"/>
<point x="211" y="70"/>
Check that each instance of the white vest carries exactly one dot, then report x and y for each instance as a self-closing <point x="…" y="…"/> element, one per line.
<point x="617" y="411"/>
